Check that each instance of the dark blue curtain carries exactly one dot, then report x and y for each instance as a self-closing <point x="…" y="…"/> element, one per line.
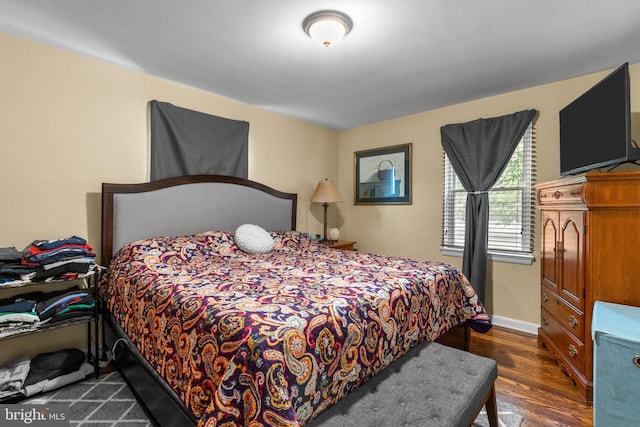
<point x="187" y="142"/>
<point x="479" y="151"/>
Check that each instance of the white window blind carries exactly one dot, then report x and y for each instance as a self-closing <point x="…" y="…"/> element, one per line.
<point x="511" y="215"/>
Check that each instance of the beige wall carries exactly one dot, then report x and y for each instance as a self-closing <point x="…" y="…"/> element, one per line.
<point x="414" y="230"/>
<point x="70" y="123"/>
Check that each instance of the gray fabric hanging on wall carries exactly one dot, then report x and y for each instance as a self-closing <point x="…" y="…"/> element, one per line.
<point x="187" y="142"/>
<point x="479" y="151"/>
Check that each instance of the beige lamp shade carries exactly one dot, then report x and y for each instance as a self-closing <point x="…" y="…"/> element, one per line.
<point x="326" y="192"/>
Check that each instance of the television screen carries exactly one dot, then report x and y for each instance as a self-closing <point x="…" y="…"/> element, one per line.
<point x="595" y="129"/>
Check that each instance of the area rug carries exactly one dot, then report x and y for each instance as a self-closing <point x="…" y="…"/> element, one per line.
<point x="507" y="417"/>
<point x="108" y="402"/>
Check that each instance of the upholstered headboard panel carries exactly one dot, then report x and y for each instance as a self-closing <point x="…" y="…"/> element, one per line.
<point x="188" y="205"/>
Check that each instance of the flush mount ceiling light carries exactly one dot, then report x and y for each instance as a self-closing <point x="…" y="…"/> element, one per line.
<point x="327" y="27"/>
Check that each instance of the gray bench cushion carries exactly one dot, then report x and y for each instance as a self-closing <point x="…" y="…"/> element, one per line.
<point x="432" y="385"/>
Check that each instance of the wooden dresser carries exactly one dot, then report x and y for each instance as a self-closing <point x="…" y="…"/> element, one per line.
<point x="590" y="251"/>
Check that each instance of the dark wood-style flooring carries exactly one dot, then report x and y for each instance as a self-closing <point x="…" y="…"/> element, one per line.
<point x="529" y="379"/>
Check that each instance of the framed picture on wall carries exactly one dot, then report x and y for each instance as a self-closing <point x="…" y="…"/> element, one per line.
<point x="383" y="176"/>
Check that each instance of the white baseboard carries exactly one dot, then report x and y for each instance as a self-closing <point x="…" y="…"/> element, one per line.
<point x="518" y="325"/>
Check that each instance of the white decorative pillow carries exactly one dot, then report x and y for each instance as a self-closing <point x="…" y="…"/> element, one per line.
<point x="253" y="239"/>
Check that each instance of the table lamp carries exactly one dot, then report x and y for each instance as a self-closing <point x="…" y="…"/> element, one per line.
<point x="326" y="192"/>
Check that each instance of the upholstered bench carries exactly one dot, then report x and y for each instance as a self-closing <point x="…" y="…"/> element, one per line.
<point x="432" y="385"/>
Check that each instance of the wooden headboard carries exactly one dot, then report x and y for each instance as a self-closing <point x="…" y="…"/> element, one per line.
<point x="188" y="205"/>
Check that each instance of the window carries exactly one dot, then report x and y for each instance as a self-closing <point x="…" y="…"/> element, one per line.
<point x="510" y="209"/>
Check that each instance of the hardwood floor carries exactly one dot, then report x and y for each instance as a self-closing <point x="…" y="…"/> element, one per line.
<point x="529" y="379"/>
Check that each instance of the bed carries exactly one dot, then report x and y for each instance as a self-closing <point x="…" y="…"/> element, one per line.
<point x="207" y="334"/>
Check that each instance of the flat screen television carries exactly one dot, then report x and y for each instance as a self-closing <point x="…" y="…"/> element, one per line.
<point x="595" y="129"/>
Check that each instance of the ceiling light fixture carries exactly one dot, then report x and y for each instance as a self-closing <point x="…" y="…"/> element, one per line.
<point x="327" y="27"/>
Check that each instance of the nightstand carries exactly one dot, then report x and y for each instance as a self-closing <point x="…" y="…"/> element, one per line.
<point x="341" y="244"/>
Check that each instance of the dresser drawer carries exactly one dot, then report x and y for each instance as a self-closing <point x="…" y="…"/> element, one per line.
<point x="570" y="194"/>
<point x="571" y="318"/>
<point x="569" y="346"/>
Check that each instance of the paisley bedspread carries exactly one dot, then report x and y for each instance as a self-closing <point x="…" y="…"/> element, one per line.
<point x="273" y="339"/>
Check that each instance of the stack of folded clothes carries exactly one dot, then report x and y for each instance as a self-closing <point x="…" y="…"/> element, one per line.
<point x="18" y="310"/>
<point x="46" y="371"/>
<point x="63" y="259"/>
<point x="11" y="268"/>
<point x="27" y="312"/>
<point x="60" y="258"/>
<point x="18" y="314"/>
<point x="64" y="305"/>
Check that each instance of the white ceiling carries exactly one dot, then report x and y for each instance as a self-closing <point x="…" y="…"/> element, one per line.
<point x="401" y="57"/>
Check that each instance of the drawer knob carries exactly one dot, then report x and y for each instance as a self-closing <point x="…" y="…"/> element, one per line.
<point x="545" y="298"/>
<point x="573" y="321"/>
<point x="636" y="360"/>
<point x="545" y="322"/>
<point x="573" y="351"/>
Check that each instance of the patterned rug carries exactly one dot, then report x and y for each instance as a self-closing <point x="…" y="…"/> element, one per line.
<point x="507" y="417"/>
<point x="108" y="402"/>
<point x="103" y="402"/>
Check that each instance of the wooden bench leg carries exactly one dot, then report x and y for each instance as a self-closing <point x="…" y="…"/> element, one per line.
<point x="492" y="407"/>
